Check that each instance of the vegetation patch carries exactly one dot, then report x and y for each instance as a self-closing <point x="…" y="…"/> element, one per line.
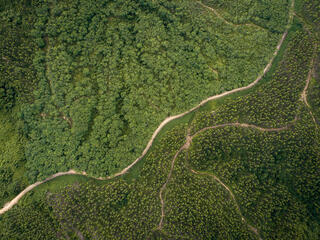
<point x="101" y="76"/>
<point x="247" y="170"/>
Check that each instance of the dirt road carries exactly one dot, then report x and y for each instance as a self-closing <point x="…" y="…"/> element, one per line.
<point x="10" y="204"/>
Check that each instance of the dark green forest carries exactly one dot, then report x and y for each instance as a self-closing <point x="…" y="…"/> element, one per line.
<point x="84" y="84"/>
<point x="104" y="74"/>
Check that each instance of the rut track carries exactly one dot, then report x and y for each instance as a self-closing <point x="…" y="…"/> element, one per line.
<point x="13" y="202"/>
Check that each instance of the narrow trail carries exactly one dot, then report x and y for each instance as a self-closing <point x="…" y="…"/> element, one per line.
<point x="169" y="119"/>
<point x="304" y="94"/>
<point x="313" y="119"/>
<point x="236" y="124"/>
<point x="305" y="90"/>
<point x="10" y="204"/>
<point x="213" y="70"/>
<point x="253" y="229"/>
<point x="312" y="63"/>
<point x="226" y="21"/>
<point x="164" y="187"/>
<point x="187" y="145"/>
<point x="245" y="125"/>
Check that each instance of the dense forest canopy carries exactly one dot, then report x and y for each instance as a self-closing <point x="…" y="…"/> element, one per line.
<point x="83" y="85"/>
<point x="102" y="75"/>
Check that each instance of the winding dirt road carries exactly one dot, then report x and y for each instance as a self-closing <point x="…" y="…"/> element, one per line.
<point x="14" y="201"/>
<point x="169" y="119"/>
<point x="236" y="124"/>
<point x="10" y="204"/>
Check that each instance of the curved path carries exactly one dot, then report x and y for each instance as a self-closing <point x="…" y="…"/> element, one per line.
<point x="304" y="94"/>
<point x="14" y="201"/>
<point x="10" y="204"/>
<point x="164" y="187"/>
<point x="253" y="229"/>
<point x="236" y="124"/>
<point x="187" y="145"/>
<point x="169" y="119"/>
